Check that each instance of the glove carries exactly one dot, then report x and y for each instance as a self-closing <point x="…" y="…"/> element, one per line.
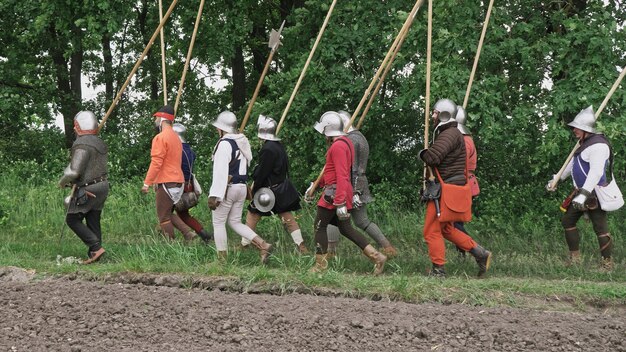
<point x="421" y="154"/>
<point x="308" y="198"/>
<point x="579" y="202"/>
<point x="549" y="185"/>
<point x="213" y="203"/>
<point x="342" y="212"/>
<point x="145" y="188"/>
<point x="356" y="201"/>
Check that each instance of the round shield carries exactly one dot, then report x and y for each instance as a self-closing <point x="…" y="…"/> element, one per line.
<point x="264" y="199"/>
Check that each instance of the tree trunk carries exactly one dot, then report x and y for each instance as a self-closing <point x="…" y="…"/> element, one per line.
<point x="287" y="6"/>
<point x="239" y="78"/>
<point x="68" y="104"/>
<point x="107" y="56"/>
<point x="148" y="64"/>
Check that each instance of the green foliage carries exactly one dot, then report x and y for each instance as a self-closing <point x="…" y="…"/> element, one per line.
<point x="541" y="63"/>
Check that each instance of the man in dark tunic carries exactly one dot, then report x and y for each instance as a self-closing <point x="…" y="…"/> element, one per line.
<point x="272" y="171"/>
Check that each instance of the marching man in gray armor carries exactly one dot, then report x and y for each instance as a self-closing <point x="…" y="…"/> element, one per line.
<point x="362" y="194"/>
<point x="87" y="174"/>
<point x="588" y="170"/>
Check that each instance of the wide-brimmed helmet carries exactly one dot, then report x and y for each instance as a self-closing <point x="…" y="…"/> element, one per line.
<point x="226" y="121"/>
<point x="585" y="120"/>
<point x="330" y="124"/>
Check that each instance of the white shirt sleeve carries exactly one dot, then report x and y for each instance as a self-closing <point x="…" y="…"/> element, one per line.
<point x="221" y="159"/>
<point x="596" y="155"/>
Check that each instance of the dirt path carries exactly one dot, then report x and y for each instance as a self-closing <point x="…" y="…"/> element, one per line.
<point x="75" y="315"/>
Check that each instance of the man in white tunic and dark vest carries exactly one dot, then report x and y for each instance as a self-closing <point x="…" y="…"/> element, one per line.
<point x="231" y="157"/>
<point x="588" y="170"/>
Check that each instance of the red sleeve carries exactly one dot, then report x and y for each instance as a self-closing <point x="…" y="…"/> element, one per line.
<point x="341" y="156"/>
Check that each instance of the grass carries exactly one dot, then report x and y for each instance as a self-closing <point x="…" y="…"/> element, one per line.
<point x="528" y="269"/>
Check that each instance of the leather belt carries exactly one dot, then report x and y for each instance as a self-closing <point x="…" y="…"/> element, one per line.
<point x="94" y="181"/>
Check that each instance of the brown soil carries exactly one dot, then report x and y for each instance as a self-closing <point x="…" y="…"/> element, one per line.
<point x="61" y="314"/>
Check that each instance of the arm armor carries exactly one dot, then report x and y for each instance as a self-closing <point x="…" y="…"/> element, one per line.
<point x="74" y="170"/>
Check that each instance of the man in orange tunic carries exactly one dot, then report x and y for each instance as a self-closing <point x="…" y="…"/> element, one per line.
<point x="165" y="174"/>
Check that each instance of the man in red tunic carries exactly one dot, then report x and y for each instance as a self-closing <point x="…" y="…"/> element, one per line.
<point x="336" y="201"/>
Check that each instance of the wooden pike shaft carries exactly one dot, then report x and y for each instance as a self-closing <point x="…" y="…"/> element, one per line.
<point x="188" y="59"/>
<point x="306" y="65"/>
<point x="163" y="54"/>
<point x="404" y="29"/>
<point x="403" y="34"/>
<point x="257" y="90"/>
<point x="597" y="114"/>
<point x="406" y="24"/>
<point x="137" y="64"/>
<point x="429" y="44"/>
<point x="478" y="50"/>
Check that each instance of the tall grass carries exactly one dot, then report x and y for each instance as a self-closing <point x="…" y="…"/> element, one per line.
<point x="529" y="249"/>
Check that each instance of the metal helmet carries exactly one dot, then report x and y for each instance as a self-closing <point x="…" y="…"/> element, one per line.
<point x="180" y="130"/>
<point x="330" y="124"/>
<point x="585" y="120"/>
<point x="267" y="128"/>
<point x="264" y="199"/>
<point x="345" y="118"/>
<point x="460" y="118"/>
<point x="226" y="121"/>
<point x="446" y="108"/>
<point x="85" y="122"/>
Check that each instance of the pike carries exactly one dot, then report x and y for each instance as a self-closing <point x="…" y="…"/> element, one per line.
<point x="557" y="177"/>
<point x="386" y="61"/>
<point x="402" y="36"/>
<point x="273" y="44"/>
<point x="137" y="64"/>
<point x="163" y="54"/>
<point x="306" y="66"/>
<point x="188" y="59"/>
<point x="478" y="50"/>
<point x="429" y="42"/>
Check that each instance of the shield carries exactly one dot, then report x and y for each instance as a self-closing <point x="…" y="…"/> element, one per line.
<point x="264" y="199"/>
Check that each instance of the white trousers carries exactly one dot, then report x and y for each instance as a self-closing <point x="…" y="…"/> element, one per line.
<point x="231" y="210"/>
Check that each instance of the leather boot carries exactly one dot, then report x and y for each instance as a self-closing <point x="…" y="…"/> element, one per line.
<point x="607" y="264"/>
<point x="483" y="259"/>
<point x="302" y="249"/>
<point x="265" y="248"/>
<point x="375" y="257"/>
<point x="574" y="258"/>
<point x="189" y="236"/>
<point x="222" y="256"/>
<point x="205" y="236"/>
<point x="390" y="251"/>
<point x="437" y="271"/>
<point x="94" y="256"/>
<point x="321" y="263"/>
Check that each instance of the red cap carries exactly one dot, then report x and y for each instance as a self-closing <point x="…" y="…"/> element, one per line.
<point x="166" y="112"/>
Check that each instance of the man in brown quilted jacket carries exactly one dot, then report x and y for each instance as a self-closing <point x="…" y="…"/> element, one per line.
<point x="447" y="155"/>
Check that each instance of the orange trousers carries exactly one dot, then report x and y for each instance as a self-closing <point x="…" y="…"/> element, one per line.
<point x="435" y="232"/>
